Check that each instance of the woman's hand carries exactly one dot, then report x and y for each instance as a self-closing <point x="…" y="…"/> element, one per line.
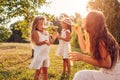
<point x="75" y="56"/>
<point x="77" y="29"/>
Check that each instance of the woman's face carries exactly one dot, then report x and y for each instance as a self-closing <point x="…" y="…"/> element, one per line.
<point x="40" y="25"/>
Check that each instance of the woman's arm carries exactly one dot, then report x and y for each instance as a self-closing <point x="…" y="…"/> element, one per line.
<point x="67" y="37"/>
<point x="76" y="56"/>
<point x="81" y="40"/>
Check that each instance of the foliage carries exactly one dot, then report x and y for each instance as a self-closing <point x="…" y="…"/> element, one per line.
<point x="4" y="33"/>
<point x="49" y="17"/>
<point x="27" y="8"/>
<point x="51" y="29"/>
<point x="74" y="38"/>
<point x="20" y="31"/>
<point x="49" y="22"/>
<point x="111" y="10"/>
<point x="14" y="8"/>
<point x="16" y="57"/>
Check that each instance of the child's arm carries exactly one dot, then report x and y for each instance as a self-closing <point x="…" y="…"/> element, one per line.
<point x="54" y="36"/>
<point x="36" y="39"/>
<point x="67" y="37"/>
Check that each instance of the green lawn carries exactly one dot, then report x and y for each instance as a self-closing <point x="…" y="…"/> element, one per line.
<point x="16" y="57"/>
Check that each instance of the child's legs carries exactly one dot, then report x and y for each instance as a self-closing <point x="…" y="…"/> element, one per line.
<point x="32" y="53"/>
<point x="68" y="65"/>
<point x="64" y="66"/>
<point x="44" y="69"/>
<point x="37" y="73"/>
<point x="44" y="73"/>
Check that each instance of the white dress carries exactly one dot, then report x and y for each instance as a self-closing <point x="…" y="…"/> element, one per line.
<point x="102" y="74"/>
<point x="41" y="57"/>
<point x="63" y="47"/>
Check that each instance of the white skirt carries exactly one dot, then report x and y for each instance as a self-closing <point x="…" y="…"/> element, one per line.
<point x="94" y="75"/>
<point x="63" y="49"/>
<point x="41" y="58"/>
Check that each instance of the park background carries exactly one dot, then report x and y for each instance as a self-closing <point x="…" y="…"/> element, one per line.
<point x="16" y="17"/>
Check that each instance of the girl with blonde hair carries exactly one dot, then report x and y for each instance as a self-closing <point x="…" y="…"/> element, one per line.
<point x="41" y="42"/>
<point x="64" y="42"/>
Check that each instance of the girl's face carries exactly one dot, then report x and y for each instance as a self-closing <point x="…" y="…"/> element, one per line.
<point x="64" y="25"/>
<point x="40" y="25"/>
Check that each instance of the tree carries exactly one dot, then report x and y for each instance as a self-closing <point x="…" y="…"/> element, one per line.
<point x="26" y="8"/>
<point x="4" y="33"/>
<point x="20" y="32"/>
<point x="111" y="10"/>
<point x="14" y="8"/>
<point x="74" y="39"/>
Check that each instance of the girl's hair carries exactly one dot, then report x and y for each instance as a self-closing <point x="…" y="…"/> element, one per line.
<point x="99" y="34"/>
<point x="35" y="24"/>
<point x="66" y="19"/>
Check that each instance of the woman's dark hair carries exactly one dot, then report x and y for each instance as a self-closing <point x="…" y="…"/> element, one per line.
<point x="99" y="34"/>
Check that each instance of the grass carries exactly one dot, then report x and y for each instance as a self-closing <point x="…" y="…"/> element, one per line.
<point x="16" y="57"/>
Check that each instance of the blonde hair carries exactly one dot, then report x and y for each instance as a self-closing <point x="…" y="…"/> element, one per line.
<point x="35" y="24"/>
<point x="69" y="26"/>
<point x="66" y="20"/>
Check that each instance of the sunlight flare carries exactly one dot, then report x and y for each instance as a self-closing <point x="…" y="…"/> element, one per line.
<point x="66" y="6"/>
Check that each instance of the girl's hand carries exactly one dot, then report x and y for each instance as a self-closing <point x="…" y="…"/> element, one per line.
<point x="59" y="37"/>
<point x="55" y="35"/>
<point x="47" y="42"/>
<point x="75" y="56"/>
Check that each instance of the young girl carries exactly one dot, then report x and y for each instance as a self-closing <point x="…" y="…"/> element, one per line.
<point x="64" y="38"/>
<point x="40" y="39"/>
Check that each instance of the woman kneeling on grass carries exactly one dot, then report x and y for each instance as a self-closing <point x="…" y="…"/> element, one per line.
<point x="104" y="50"/>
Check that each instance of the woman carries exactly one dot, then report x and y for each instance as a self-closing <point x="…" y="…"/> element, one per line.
<point x="101" y="45"/>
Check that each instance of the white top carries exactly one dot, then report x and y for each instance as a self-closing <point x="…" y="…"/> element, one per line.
<point x="40" y="52"/>
<point x="102" y="74"/>
<point x="64" y="46"/>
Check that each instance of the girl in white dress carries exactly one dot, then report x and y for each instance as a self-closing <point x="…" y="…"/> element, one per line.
<point x="103" y="48"/>
<point x="41" y="42"/>
<point x="64" y="42"/>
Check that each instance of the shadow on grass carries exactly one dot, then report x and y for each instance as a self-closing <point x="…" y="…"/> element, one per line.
<point x="65" y="77"/>
<point x="4" y="75"/>
<point x="51" y="75"/>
